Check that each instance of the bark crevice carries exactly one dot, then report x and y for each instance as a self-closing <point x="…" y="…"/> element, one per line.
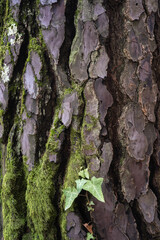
<point x="114" y="46"/>
<point x="70" y="10"/>
<point x="14" y="88"/>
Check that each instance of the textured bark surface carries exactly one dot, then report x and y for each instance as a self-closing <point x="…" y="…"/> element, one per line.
<point x="79" y="87"/>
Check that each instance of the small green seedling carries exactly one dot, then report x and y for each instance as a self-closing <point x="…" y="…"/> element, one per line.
<point x="92" y="186"/>
<point x="90" y="205"/>
<point x="90" y="236"/>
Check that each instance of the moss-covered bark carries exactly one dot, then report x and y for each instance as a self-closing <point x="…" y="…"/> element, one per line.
<point x="79" y="88"/>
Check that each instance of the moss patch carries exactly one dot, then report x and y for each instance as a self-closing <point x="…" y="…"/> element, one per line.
<point x="40" y="193"/>
<point x="13" y="196"/>
<point x="76" y="161"/>
<point x="39" y="197"/>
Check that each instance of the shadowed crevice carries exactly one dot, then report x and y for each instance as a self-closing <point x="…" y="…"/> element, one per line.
<point x="63" y="156"/>
<point x="2" y="14"/>
<point x="47" y="94"/>
<point x="140" y="224"/>
<point x="14" y="87"/>
<point x="27" y="16"/>
<point x="114" y="46"/>
<point x="155" y="158"/>
<point x="70" y="30"/>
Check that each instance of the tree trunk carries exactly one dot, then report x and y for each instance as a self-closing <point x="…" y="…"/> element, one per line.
<point x="79" y="88"/>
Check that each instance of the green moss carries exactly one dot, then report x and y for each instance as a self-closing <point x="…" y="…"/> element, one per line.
<point x="28" y="236"/>
<point x="40" y="192"/>
<point x="35" y="45"/>
<point x="2" y="13"/>
<point x="67" y="91"/>
<point x="23" y="107"/>
<point x="77" y="39"/>
<point x="13" y="202"/>
<point x="76" y="161"/>
<point x="1" y="116"/>
<point x="122" y="158"/>
<point x="53" y="142"/>
<point x="75" y="46"/>
<point x="73" y="55"/>
<point x="38" y="2"/>
<point x="78" y="12"/>
<point x="41" y="37"/>
<point x="89" y="123"/>
<point x="79" y="89"/>
<point x="39" y="197"/>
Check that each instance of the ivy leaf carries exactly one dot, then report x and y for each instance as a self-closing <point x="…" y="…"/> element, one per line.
<point x="94" y="187"/>
<point x="84" y="173"/>
<point x="90" y="206"/>
<point x="89" y="236"/>
<point x="71" y="194"/>
<point x="91" y="203"/>
<point x="80" y="183"/>
<point x="90" y="209"/>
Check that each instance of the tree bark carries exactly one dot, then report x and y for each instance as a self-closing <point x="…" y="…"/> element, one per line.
<point x="79" y="88"/>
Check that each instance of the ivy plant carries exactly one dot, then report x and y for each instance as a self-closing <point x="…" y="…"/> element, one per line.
<point x="92" y="186"/>
<point x="90" y="236"/>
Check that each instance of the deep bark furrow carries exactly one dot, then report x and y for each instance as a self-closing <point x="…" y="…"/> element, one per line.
<point x="113" y="85"/>
<point x="154" y="165"/>
<point x="14" y="89"/>
<point x="2" y="14"/>
<point x="70" y="10"/>
<point x="14" y="45"/>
